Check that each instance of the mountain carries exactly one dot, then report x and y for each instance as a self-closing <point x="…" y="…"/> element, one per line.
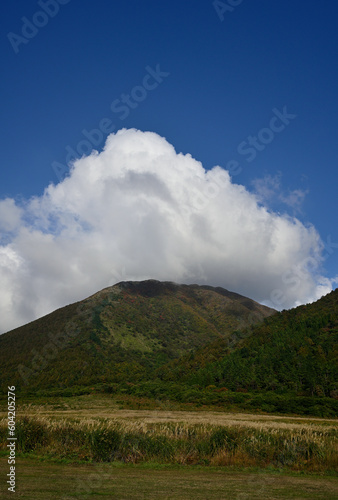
<point x="123" y="333"/>
<point x="294" y="351"/>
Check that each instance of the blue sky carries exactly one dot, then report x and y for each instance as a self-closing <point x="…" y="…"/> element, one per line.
<point x="226" y="72"/>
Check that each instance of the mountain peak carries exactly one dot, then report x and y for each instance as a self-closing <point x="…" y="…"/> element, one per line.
<point x="148" y="288"/>
<point x="133" y="325"/>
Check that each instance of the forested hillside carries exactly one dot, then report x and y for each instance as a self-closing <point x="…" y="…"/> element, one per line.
<point x="293" y="351"/>
<point x="122" y="333"/>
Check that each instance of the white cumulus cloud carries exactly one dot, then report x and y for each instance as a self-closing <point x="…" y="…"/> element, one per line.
<point x="140" y="210"/>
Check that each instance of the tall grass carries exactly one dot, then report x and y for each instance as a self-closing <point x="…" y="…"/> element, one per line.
<point x="178" y="443"/>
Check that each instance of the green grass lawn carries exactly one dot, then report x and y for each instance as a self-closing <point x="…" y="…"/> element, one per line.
<point x="46" y="480"/>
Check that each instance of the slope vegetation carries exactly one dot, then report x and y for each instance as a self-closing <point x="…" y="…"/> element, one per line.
<point x="292" y="351"/>
<point x="122" y="334"/>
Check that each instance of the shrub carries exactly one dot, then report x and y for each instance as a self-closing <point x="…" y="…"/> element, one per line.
<point x="30" y="434"/>
<point x="223" y="438"/>
<point x="105" y="444"/>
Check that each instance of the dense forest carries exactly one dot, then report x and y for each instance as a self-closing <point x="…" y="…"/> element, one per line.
<point x="293" y="351"/>
<point x="194" y="345"/>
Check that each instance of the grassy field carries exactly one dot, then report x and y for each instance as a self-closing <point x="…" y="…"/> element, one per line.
<point x="151" y="411"/>
<point x="96" y="446"/>
<point x="46" y="480"/>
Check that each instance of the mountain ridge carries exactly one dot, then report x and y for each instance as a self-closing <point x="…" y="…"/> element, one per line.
<point x="123" y="331"/>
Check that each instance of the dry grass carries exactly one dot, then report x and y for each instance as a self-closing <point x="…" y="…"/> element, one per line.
<point x="93" y="428"/>
<point x="101" y="406"/>
<point x="237" y="443"/>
